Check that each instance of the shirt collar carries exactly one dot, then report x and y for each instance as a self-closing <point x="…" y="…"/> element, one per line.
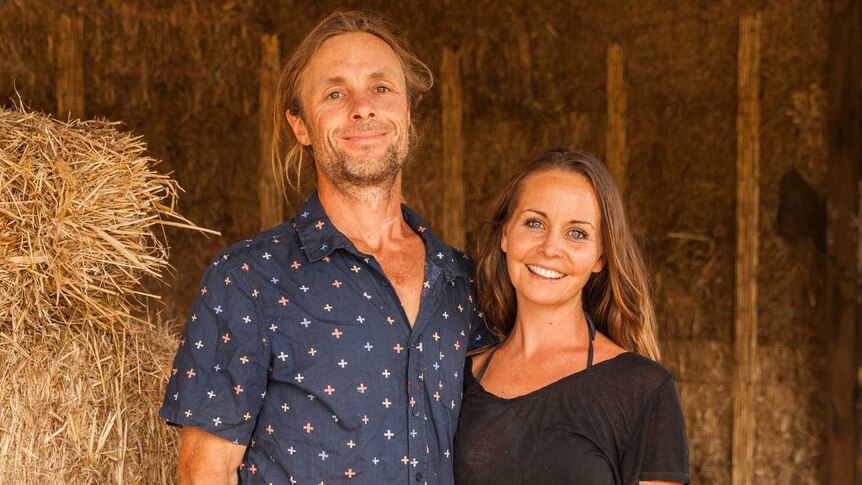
<point x="320" y="237"/>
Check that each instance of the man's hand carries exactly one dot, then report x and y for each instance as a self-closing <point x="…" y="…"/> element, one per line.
<point x="207" y="459"/>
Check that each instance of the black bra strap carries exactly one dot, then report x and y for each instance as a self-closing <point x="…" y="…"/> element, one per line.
<point x="485" y="364"/>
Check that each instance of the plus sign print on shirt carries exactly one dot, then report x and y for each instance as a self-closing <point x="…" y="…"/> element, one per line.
<point x="298" y="347"/>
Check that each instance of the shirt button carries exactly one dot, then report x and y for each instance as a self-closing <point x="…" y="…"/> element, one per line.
<point x="419" y="477"/>
<point x="415" y="411"/>
<point x="384" y="282"/>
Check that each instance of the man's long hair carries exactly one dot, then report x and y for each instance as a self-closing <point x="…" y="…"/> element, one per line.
<point x="617" y="298"/>
<point x="287" y="153"/>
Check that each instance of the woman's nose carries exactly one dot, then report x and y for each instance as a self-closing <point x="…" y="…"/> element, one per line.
<point x="550" y="246"/>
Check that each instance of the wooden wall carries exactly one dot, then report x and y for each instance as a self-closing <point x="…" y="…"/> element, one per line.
<point x="733" y="128"/>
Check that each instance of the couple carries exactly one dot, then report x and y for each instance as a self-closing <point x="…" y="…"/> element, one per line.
<point x="332" y="348"/>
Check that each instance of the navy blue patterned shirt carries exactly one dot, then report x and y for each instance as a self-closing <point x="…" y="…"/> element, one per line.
<point x="297" y="346"/>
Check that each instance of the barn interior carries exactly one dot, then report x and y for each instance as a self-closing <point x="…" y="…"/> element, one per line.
<point x="732" y="128"/>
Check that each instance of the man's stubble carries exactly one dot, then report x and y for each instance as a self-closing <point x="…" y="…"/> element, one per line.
<point x="358" y="176"/>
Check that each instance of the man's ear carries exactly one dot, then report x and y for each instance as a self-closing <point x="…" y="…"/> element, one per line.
<point x="300" y="130"/>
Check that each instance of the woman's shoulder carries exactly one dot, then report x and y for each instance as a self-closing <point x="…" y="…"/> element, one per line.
<point x="635" y="372"/>
<point x="643" y="365"/>
<point x="629" y="363"/>
<point x="477" y="358"/>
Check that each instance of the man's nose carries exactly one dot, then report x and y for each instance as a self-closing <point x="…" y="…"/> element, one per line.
<point x="362" y="107"/>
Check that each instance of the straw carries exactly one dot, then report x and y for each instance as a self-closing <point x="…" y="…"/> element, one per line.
<point x="82" y="367"/>
<point x="79" y="204"/>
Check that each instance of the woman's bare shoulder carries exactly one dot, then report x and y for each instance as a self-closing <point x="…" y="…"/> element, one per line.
<point x="478" y="357"/>
<point x="605" y="348"/>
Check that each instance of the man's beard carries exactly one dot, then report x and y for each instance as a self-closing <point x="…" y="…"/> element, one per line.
<point x="360" y="172"/>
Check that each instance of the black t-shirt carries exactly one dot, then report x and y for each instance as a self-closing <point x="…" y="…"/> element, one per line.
<point x="616" y="422"/>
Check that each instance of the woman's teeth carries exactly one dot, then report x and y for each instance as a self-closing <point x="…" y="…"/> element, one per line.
<point x="547" y="273"/>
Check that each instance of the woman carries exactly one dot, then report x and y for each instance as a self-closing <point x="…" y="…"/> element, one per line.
<point x="562" y="400"/>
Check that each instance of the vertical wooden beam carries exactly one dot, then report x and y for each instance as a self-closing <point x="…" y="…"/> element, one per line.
<point x="70" y="67"/>
<point x="617" y="155"/>
<point x="269" y="191"/>
<point x="453" y="230"/>
<point x="747" y="247"/>
<point x="842" y="241"/>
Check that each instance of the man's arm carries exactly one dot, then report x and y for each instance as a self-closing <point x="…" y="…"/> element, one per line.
<point x="207" y="459"/>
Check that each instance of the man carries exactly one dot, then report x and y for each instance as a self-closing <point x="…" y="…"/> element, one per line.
<point x="331" y="348"/>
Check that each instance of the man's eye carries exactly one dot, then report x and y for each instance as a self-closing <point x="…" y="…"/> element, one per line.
<point x="334" y="95"/>
<point x="382" y="89"/>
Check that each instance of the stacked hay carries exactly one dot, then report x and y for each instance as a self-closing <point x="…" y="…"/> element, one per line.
<point x="81" y="368"/>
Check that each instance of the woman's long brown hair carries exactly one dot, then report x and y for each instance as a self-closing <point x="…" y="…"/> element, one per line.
<point x="617" y="298"/>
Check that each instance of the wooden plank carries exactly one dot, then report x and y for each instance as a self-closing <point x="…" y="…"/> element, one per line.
<point x="842" y="247"/>
<point x="270" y="192"/>
<point x="70" y="67"/>
<point x="617" y="155"/>
<point x="747" y="248"/>
<point x="453" y="230"/>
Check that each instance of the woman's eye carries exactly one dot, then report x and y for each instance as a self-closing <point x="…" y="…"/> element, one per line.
<point x="577" y="234"/>
<point x="533" y="223"/>
<point x="382" y="89"/>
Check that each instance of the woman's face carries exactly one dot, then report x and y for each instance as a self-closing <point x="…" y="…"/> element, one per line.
<point x="552" y="240"/>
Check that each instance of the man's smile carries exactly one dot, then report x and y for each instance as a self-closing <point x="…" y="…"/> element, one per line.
<point x="366" y="136"/>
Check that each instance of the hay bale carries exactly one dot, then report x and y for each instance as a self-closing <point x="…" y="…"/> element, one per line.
<point x="82" y="409"/>
<point x="81" y="367"/>
<point x="79" y="203"/>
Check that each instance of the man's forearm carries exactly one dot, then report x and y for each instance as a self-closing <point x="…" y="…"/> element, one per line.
<point x="206" y="475"/>
<point x="206" y="459"/>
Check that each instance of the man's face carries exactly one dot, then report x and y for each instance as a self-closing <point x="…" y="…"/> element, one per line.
<point x="355" y="113"/>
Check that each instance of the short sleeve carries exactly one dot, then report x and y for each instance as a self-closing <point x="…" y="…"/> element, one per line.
<point x="480" y="335"/>
<point x="219" y="376"/>
<point x="658" y="449"/>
